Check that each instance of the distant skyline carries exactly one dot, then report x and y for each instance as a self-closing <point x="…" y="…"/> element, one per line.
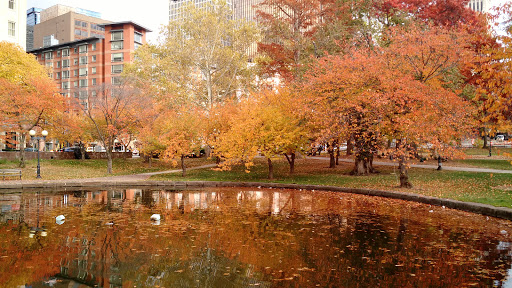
<point x="151" y="14"/>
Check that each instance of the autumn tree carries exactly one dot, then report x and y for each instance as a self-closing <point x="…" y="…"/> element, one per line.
<point x="494" y="85"/>
<point x="179" y="131"/>
<point x="201" y="58"/>
<point x="111" y="110"/>
<point x="262" y="125"/>
<point x="28" y="97"/>
<point x="401" y="92"/>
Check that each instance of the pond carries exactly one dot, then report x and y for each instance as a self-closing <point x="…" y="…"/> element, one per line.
<point x="244" y="237"/>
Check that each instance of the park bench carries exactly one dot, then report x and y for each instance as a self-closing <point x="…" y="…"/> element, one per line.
<point x="10" y="173"/>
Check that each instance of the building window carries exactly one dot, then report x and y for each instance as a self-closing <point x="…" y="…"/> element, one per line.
<point x="78" y="32"/>
<point x="117" y="57"/>
<point x="75" y="61"/>
<point x="93" y="93"/>
<point x="84" y="33"/>
<point x="57" y="75"/>
<point x="93" y="46"/>
<point x="82" y="49"/>
<point x="137" y="37"/>
<point x="58" y="53"/>
<point x="116" y="35"/>
<point x="84" y="24"/>
<point x="83" y="60"/>
<point x="82" y="72"/>
<point x="75" y="84"/>
<point x="65" y="52"/>
<point x="65" y="74"/>
<point x="93" y="70"/>
<point x="118" y="45"/>
<point x="58" y="64"/>
<point x="83" y="83"/>
<point x="12" y="4"/>
<point x="93" y="81"/>
<point x="93" y="58"/>
<point x="78" y="23"/>
<point x="65" y="85"/>
<point x="136" y="46"/>
<point x="48" y="55"/>
<point x="75" y="72"/>
<point x="116" y="69"/>
<point x="65" y="63"/>
<point x="116" y="81"/>
<point x="11" y="29"/>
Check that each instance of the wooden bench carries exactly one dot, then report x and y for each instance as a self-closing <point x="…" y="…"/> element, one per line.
<point x="10" y="173"/>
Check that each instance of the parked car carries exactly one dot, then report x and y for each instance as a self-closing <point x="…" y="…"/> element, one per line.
<point x="71" y="149"/>
<point x="89" y="149"/>
<point x="31" y="149"/>
<point x="500" y="138"/>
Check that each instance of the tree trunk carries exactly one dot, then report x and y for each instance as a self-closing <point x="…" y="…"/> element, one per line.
<point x="291" y="161"/>
<point x="332" y="160"/>
<point x="82" y="150"/>
<point x="207" y="151"/>
<point x="22" y="150"/>
<point x="150" y="160"/>
<point x="183" y="168"/>
<point x="109" y="160"/>
<point x="350" y="145"/>
<point x="486" y="145"/>
<point x="404" y="176"/>
<point x="363" y="164"/>
<point x="270" y="169"/>
<point x="338" y="155"/>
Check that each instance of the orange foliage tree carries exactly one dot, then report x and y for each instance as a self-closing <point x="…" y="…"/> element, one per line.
<point x="112" y="110"/>
<point x="495" y="83"/>
<point x="398" y="93"/>
<point x="263" y="124"/>
<point x="28" y="97"/>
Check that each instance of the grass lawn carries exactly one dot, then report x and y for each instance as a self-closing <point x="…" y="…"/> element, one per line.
<point x="493" y="189"/>
<point x="91" y="168"/>
<point x="485" y="152"/>
<point x="484" y="163"/>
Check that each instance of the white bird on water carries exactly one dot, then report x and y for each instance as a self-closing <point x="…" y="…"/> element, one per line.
<point x="60" y="219"/>
<point x="155" y="219"/>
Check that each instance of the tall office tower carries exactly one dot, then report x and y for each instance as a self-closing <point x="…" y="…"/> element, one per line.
<point x="483" y="6"/>
<point x="33" y="18"/>
<point x="176" y="7"/>
<point x="61" y="24"/>
<point x="244" y="9"/>
<point x="13" y="22"/>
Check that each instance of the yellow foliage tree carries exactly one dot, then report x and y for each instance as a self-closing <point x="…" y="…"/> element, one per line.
<point x="264" y="124"/>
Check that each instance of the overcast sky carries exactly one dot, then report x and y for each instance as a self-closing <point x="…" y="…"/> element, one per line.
<point x="148" y="13"/>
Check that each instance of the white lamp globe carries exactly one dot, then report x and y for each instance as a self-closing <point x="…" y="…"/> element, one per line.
<point x="32" y="132"/>
<point x="44" y="133"/>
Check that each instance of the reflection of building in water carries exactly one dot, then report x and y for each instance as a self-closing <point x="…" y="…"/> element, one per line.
<point x="28" y="207"/>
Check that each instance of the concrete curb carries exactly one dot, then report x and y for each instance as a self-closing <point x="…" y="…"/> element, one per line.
<point x="483" y="209"/>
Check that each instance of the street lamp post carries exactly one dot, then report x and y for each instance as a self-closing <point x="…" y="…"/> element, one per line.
<point x="38" y="139"/>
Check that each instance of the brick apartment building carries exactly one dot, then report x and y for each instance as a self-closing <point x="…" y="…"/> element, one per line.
<point x="81" y="65"/>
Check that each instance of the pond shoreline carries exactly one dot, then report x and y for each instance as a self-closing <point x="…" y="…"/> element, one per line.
<point x="483" y="209"/>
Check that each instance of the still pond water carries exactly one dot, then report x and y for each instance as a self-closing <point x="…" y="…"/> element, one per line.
<point x="241" y="237"/>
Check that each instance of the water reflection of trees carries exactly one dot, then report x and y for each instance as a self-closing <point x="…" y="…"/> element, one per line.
<point x="237" y="237"/>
